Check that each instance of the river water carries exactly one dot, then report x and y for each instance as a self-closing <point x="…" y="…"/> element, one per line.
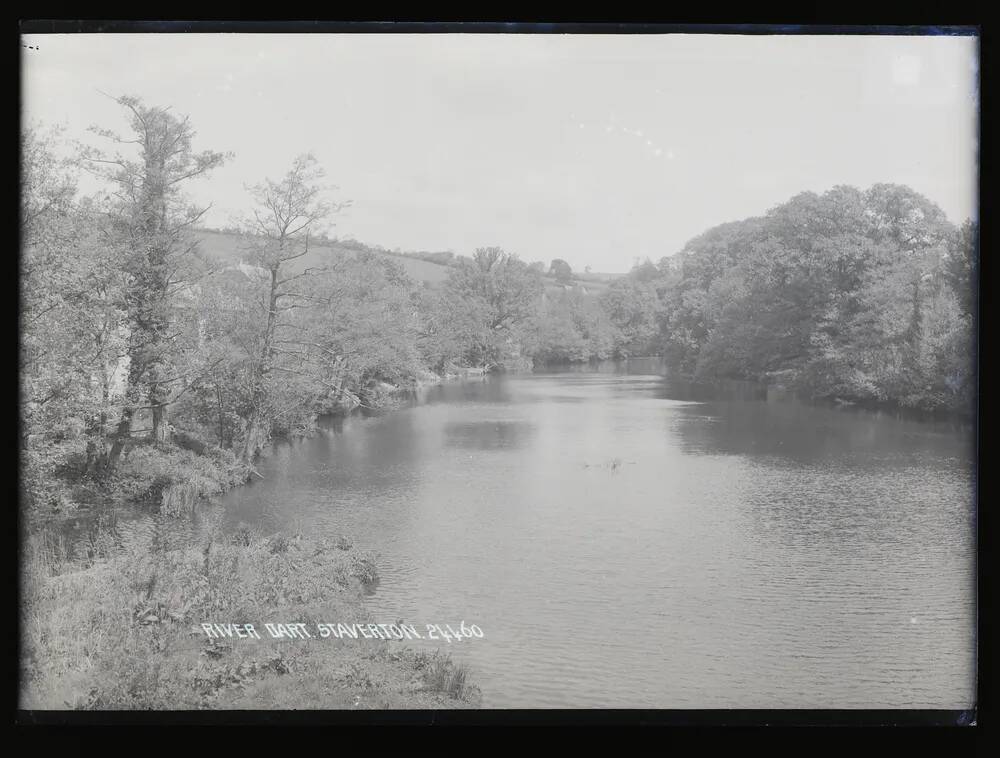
<point x="628" y="540"/>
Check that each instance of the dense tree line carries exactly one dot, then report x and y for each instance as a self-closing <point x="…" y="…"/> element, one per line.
<point x="850" y="294"/>
<point x="854" y="295"/>
<point x="133" y="339"/>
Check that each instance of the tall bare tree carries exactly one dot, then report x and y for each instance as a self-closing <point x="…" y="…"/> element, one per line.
<point x="286" y="213"/>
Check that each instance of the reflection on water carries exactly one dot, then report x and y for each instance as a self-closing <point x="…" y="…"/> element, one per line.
<point x="748" y="550"/>
<point x="487" y="435"/>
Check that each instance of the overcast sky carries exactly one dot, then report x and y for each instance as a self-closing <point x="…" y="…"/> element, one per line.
<point x="598" y="149"/>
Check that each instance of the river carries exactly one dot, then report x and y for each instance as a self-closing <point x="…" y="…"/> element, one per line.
<point x="624" y="539"/>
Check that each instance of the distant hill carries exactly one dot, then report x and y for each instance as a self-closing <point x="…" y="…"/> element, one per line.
<point x="225" y="248"/>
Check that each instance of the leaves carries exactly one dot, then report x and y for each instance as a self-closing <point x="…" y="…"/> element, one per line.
<point x="493" y="296"/>
<point x="846" y="291"/>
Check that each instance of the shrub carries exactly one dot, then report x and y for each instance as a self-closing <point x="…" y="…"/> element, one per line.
<point x="173" y="476"/>
<point x="364" y="569"/>
<point x="442" y="674"/>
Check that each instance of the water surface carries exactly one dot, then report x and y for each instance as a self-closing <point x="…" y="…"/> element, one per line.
<point x="626" y="540"/>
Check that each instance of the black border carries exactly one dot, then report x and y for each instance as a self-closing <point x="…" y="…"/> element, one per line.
<point x="966" y="25"/>
<point x="91" y="26"/>
<point x="525" y="717"/>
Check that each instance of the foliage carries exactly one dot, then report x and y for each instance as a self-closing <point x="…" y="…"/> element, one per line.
<point x="572" y="327"/>
<point x="159" y="473"/>
<point x="146" y="221"/>
<point x="632" y="307"/>
<point x="71" y="325"/>
<point x="561" y="270"/>
<point x="499" y="294"/>
<point x="862" y="295"/>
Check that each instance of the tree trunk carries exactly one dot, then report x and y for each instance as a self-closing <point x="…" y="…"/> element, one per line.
<point x="161" y="428"/>
<point x="95" y="451"/>
<point x="222" y="426"/>
<point x="122" y="433"/>
<point x="255" y="438"/>
<point x="258" y="424"/>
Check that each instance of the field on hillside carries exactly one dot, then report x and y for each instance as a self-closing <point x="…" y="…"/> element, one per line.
<point x="225" y="248"/>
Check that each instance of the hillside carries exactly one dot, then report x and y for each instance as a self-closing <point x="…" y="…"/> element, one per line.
<point x="225" y="248"/>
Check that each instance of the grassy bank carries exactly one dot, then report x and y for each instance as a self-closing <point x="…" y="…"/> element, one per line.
<point x="119" y="628"/>
<point x="124" y="632"/>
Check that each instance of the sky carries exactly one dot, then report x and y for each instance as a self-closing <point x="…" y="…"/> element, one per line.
<point x="598" y="149"/>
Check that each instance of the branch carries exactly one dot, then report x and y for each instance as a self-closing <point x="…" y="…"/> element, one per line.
<point x="190" y="174"/>
<point x="299" y="276"/>
<point x="297" y="255"/>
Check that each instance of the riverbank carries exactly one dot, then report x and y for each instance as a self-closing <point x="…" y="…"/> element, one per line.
<point x="119" y="628"/>
<point x="173" y="477"/>
<point x="125" y="632"/>
<point x="791" y="382"/>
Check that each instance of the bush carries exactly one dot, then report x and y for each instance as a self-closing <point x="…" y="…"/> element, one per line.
<point x="364" y="569"/>
<point x="442" y="674"/>
<point x="172" y="476"/>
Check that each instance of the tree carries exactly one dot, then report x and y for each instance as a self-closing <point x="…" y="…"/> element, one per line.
<point x="47" y="187"/>
<point x="503" y="292"/>
<point x="571" y="327"/>
<point x="285" y="360"/>
<point x="961" y="269"/>
<point x="845" y="294"/>
<point x="286" y="212"/>
<point x="365" y="333"/>
<point x="149" y="221"/>
<point x="631" y="305"/>
<point x="49" y="272"/>
<point x="451" y="329"/>
<point x="899" y="215"/>
<point x="70" y="325"/>
<point x="228" y="306"/>
<point x="561" y="270"/>
<point x="645" y="273"/>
